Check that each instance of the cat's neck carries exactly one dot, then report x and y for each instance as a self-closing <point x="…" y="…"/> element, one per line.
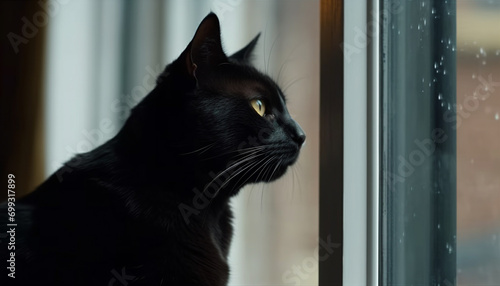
<point x="156" y="178"/>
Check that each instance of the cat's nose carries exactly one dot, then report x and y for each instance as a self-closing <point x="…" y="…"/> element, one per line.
<point x="298" y="136"/>
<point x="301" y="138"/>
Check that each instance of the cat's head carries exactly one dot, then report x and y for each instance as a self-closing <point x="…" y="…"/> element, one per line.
<point x="220" y="112"/>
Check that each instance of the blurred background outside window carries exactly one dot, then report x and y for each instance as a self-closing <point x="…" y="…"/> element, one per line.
<point x="478" y="143"/>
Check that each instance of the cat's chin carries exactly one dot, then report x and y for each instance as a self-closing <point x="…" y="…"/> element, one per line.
<point x="280" y="170"/>
<point x="278" y="174"/>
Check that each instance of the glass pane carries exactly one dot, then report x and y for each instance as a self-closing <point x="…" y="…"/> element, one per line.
<point x="418" y="143"/>
<point x="478" y="142"/>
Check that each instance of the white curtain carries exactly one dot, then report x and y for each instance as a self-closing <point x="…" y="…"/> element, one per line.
<point x="102" y="59"/>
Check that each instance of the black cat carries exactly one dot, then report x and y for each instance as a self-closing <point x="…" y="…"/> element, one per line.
<point x="150" y="206"/>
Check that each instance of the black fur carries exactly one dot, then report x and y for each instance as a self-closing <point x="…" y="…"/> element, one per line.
<point x="150" y="206"/>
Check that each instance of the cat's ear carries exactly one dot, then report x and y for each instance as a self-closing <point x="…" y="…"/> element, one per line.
<point x="244" y="55"/>
<point x="205" y="50"/>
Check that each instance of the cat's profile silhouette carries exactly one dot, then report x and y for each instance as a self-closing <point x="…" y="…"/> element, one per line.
<point x="150" y="206"/>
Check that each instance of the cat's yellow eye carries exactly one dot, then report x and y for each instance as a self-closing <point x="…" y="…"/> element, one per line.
<point x="259" y="106"/>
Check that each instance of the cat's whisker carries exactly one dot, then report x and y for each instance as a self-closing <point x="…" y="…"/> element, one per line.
<point x="262" y="197"/>
<point x="264" y="48"/>
<point x="267" y="169"/>
<point x="279" y="72"/>
<point x="263" y="167"/>
<point x="258" y="168"/>
<point x="241" y="151"/>
<point x="288" y="57"/>
<point x="235" y="174"/>
<point x="265" y="176"/>
<point x="293" y="82"/>
<point x="236" y="186"/>
<point x="270" y="53"/>
<point x="298" y="178"/>
<point x="264" y="186"/>
<point x="293" y="183"/>
<point x="245" y="156"/>
<point x="246" y="166"/>
<point x="275" y="168"/>
<point x="200" y="150"/>
<point x="232" y="166"/>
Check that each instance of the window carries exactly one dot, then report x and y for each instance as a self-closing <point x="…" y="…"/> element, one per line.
<point x="418" y="144"/>
<point x="420" y="200"/>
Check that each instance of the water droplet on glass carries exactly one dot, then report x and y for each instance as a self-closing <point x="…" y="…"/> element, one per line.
<point x="433" y="11"/>
<point x="425" y="22"/>
<point x="497" y="53"/>
<point x="439" y="226"/>
<point x="418" y="27"/>
<point x="497" y="116"/>
<point x="449" y="106"/>
<point x="484" y="63"/>
<point x="435" y="65"/>
<point x="440" y="96"/>
<point x="423" y="4"/>
<point x="444" y="72"/>
<point x="442" y="104"/>
<point x="473" y="75"/>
